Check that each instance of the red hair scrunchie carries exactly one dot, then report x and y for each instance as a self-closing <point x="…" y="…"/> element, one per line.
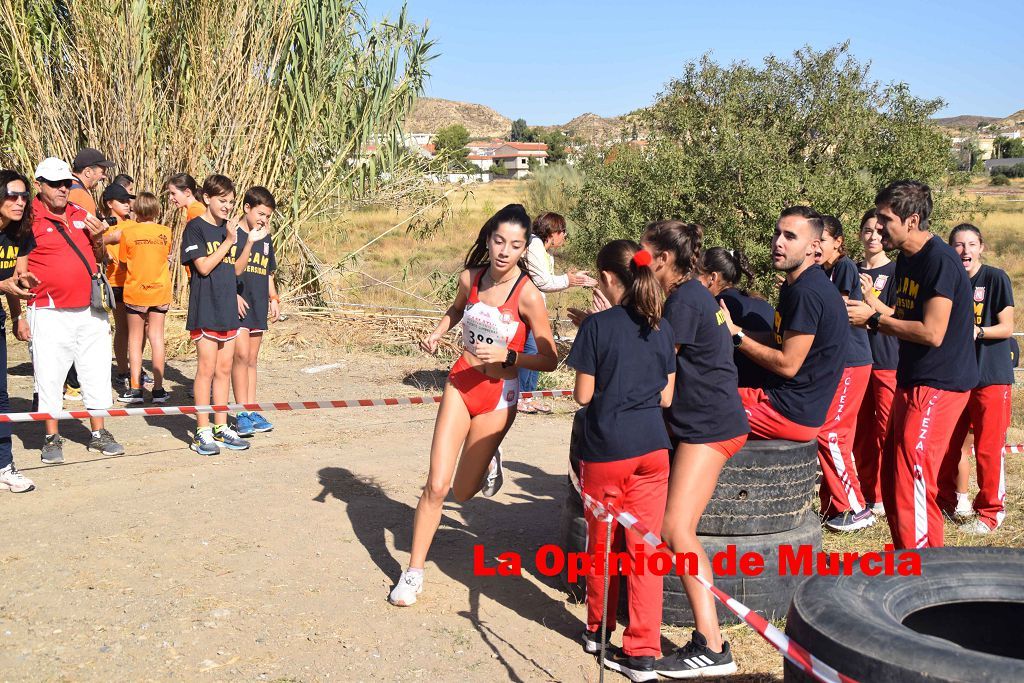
<point x="642" y="258"/>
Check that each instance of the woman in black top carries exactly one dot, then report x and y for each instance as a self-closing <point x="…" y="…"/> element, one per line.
<point x="706" y="422"/>
<point x="721" y="271"/>
<point x="842" y="501"/>
<point x="878" y="285"/>
<point x="988" y="408"/>
<point x="14" y="221"/>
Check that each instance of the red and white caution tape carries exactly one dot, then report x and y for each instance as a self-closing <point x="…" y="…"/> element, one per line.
<point x="789" y="649"/>
<point x="262" y="407"/>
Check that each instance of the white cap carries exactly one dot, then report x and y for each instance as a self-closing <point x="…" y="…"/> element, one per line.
<point x="54" y="170"/>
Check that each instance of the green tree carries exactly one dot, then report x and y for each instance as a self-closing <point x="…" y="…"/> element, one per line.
<point x="450" y="143"/>
<point x="556" y="141"/>
<point x="1009" y="148"/>
<point x="730" y="146"/>
<point x="522" y="132"/>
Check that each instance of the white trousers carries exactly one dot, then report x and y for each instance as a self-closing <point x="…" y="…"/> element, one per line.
<point x="60" y="337"/>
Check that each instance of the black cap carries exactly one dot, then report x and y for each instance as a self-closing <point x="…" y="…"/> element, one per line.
<point x="87" y="156"/>
<point x="117" y="192"/>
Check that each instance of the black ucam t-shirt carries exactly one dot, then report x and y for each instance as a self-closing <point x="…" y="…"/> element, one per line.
<point x="630" y="363"/>
<point x="936" y="270"/>
<point x="253" y="283"/>
<point x="212" y="302"/>
<point x="846" y="278"/>
<point x="11" y="247"/>
<point x="811" y="305"/>
<point x="706" y="407"/>
<point x="753" y="315"/>
<point x="992" y="294"/>
<point x="884" y="348"/>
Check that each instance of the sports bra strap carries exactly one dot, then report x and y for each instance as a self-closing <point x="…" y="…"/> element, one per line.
<point x="474" y="289"/>
<point x="516" y="287"/>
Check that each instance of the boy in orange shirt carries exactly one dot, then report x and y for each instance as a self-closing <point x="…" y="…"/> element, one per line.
<point x="144" y="251"/>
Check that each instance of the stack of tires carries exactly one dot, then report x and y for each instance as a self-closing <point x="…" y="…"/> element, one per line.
<point x="762" y="501"/>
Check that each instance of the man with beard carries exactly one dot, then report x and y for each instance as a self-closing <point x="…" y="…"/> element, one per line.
<point x="806" y="349"/>
<point x="937" y="368"/>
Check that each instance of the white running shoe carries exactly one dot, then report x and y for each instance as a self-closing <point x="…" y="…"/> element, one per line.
<point x="15" y="480"/>
<point x="963" y="506"/>
<point x="410" y="584"/>
<point x="494" y="477"/>
<point x="975" y="527"/>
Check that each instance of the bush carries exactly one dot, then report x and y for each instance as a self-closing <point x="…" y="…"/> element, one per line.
<point x="1016" y="171"/>
<point x="730" y="146"/>
<point x="999" y="179"/>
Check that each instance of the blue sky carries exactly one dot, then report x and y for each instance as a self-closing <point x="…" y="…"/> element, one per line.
<point x="550" y="61"/>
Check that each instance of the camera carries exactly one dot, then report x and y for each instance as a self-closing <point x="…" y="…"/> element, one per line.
<point x="110" y="220"/>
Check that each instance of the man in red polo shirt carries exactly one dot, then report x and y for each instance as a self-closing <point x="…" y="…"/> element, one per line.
<point x="64" y="328"/>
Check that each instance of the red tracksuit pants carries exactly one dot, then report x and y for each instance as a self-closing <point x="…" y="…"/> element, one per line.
<point x="872" y="424"/>
<point x="642" y="486"/>
<point x="840" y="488"/>
<point x="988" y="414"/>
<point x="922" y="422"/>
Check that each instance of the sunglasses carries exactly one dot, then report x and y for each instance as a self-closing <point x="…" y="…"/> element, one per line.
<point x="17" y="195"/>
<point x="57" y="183"/>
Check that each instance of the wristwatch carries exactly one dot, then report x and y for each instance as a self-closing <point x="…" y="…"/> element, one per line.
<point x="737" y="338"/>
<point x="981" y="332"/>
<point x="510" y="359"/>
<point x="873" y="321"/>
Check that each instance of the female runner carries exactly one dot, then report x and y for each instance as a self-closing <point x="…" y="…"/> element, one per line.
<point x="706" y="423"/>
<point x="988" y="408"/>
<point x="497" y="305"/>
<point x="842" y="502"/>
<point x="878" y="285"/>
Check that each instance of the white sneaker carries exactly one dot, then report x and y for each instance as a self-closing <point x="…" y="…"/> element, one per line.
<point x="975" y="527"/>
<point x="963" y="507"/>
<point x="410" y="584"/>
<point x="494" y="477"/>
<point x="15" y="480"/>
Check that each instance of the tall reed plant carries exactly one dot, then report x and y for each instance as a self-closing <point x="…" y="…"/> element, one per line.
<point x="306" y="97"/>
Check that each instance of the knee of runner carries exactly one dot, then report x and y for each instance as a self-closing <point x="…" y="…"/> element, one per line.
<point x="435" y="491"/>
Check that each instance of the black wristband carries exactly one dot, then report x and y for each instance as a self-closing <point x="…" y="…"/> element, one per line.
<point x="510" y="359"/>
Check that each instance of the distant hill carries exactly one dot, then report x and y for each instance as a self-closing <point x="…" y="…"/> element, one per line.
<point x="1013" y="120"/>
<point x="964" y="121"/>
<point x="431" y="114"/>
<point x="590" y="128"/>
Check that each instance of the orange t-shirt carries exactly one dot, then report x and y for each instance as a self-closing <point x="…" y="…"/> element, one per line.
<point x="81" y="196"/>
<point x="115" y="268"/>
<point x="194" y="210"/>
<point x="144" y="250"/>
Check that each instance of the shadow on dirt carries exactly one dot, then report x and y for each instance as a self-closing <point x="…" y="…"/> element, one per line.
<point x="520" y="522"/>
<point x="426" y="380"/>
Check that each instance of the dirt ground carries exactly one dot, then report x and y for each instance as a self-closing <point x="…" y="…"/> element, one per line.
<point x="275" y="563"/>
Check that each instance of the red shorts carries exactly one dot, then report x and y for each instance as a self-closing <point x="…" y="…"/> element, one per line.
<point x="480" y="393"/>
<point x="215" y="335"/>
<point x="729" y="447"/>
<point x="768" y="423"/>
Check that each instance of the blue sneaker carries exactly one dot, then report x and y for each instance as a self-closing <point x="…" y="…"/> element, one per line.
<point x="225" y="436"/>
<point x="203" y="443"/>
<point x="260" y="423"/>
<point x="244" y="424"/>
